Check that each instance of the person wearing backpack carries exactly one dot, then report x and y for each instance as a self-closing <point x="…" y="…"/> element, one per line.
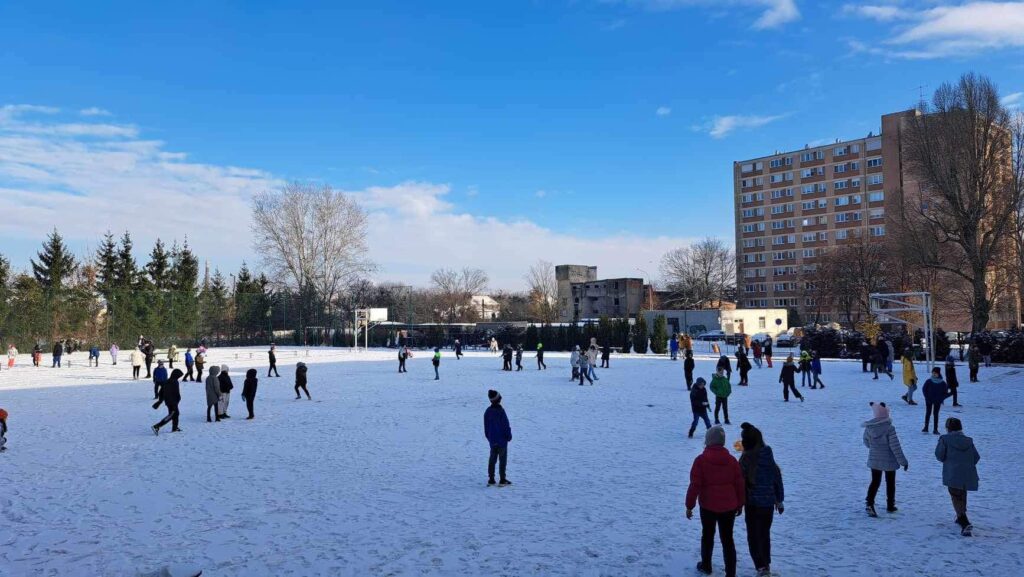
<point x="716" y="483"/>
<point x="959" y="459"/>
<point x="765" y="495"/>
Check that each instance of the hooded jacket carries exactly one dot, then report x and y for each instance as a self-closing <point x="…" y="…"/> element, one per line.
<point x="935" y="390"/>
<point x="136" y="358"/>
<point x="170" y="392"/>
<point x="698" y="399"/>
<point x="723" y="363"/>
<point x="720" y="386"/>
<point x="716" y="482"/>
<point x="742" y="362"/>
<point x="959" y="459"/>
<point x="884" y="450"/>
<point x="225" y="380"/>
<point x="762" y="477"/>
<point x="815" y="365"/>
<point x="909" y="374"/>
<point x="574" y="358"/>
<point x="788" y="374"/>
<point x="213" y="386"/>
<point x="496" y="426"/>
<point x="300" y="375"/>
<point x="249" y="386"/>
<point x="172" y="353"/>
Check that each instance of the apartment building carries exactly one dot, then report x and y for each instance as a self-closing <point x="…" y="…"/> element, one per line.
<point x="791" y="206"/>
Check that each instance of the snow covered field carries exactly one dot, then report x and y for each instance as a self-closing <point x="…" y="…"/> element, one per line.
<point x="384" y="474"/>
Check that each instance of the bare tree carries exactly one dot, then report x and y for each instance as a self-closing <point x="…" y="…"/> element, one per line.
<point x="456" y="288"/>
<point x="311" y="236"/>
<point x="959" y="218"/>
<point x="701" y="275"/>
<point x="543" y="291"/>
<point x="849" y="273"/>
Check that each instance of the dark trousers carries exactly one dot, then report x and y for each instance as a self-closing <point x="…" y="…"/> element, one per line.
<point x="437" y="373"/>
<point x="743" y="376"/>
<point x="188" y="372"/>
<point x="156" y="391"/>
<point x="689" y="379"/>
<point x="506" y="364"/>
<point x="805" y="377"/>
<point x="199" y="373"/>
<point x="216" y="412"/>
<point x="273" y="367"/>
<point x="540" y="362"/>
<point x="519" y="364"/>
<point x="724" y="522"/>
<point x="817" y="382"/>
<point x="723" y="404"/>
<point x="890" y="487"/>
<point x="786" y="387"/>
<point x="575" y="373"/>
<point x="498" y="455"/>
<point x="974" y="373"/>
<point x="585" y="374"/>
<point x="149" y="365"/>
<point x="864" y="365"/>
<point x="759" y="534"/>
<point x="952" y="391"/>
<point x="172" y="417"/>
<point x="304" y="389"/>
<point x="56" y="361"/>
<point x="604" y="363"/>
<point x="931" y="411"/>
<point x="696" y="418"/>
<point x="959" y="498"/>
<point x="401" y="365"/>
<point x="249" y="406"/>
<point x="170" y="363"/>
<point x="135" y="372"/>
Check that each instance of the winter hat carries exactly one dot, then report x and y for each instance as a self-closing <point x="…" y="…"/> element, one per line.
<point x="789" y="359"/>
<point x="700" y="382"/>
<point x="750" y="437"/>
<point x="879" y="410"/>
<point x="953" y="424"/>
<point x="250" y="374"/>
<point x="176" y="374"/>
<point x="159" y="362"/>
<point x="715" y="437"/>
<point x="223" y="368"/>
<point x="494" y="396"/>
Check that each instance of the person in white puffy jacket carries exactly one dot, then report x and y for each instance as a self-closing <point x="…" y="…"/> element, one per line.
<point x="574" y="361"/>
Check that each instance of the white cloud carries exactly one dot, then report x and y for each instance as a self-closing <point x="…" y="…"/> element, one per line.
<point x="94" y="112"/>
<point x="926" y="31"/>
<point x="663" y="111"/>
<point x="540" y="193"/>
<point x="86" y="181"/>
<point x="774" y="13"/>
<point x="1013" y="100"/>
<point x="722" y="126"/>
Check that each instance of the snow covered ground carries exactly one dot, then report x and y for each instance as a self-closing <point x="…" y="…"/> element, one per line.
<point x="383" y="474"/>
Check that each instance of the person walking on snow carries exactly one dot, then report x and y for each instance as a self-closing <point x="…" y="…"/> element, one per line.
<point x="756" y="349"/>
<point x="688" y="365"/>
<point x="606" y="355"/>
<point x="816" y="371"/>
<point x="959" y="459"/>
<point x="673" y="347"/>
<point x="458" y="350"/>
<point x="909" y="377"/>
<point x="574" y="361"/>
<point x="935" y="391"/>
<point x="890" y="355"/>
<point x="743" y="366"/>
<point x="170" y="396"/>
<point x="519" y="357"/>
<point x="3" y="430"/>
<point x="716" y="483"/>
<point x="200" y="361"/>
<point x="159" y="379"/>
<point x="721" y="388"/>
<point x="805" y="368"/>
<point x="973" y="362"/>
<point x="12" y="355"/>
<point x="723" y="365"/>
<point x="885" y="455"/>
<point x="58" y="352"/>
<point x="584" y="361"/>
<point x="951" y="379"/>
<point x="212" y="393"/>
<point x="149" y="353"/>
<point x="113" y="353"/>
<point x="190" y="362"/>
<point x="300" y="381"/>
<point x="94" y="355"/>
<point x="768" y="352"/>
<point x="436" y="361"/>
<point x="506" y="357"/>
<point x="540" y="357"/>
<point x="272" y="356"/>
<point x="493" y="347"/>
<point x="249" y="392"/>
<point x="787" y="376"/>
<point x="498" y="432"/>
<point x="136" y="359"/>
<point x="765" y="494"/>
<point x="699" y="405"/>
<point x="172" y="355"/>
<point x="37" y="355"/>
<point x="592" y="356"/>
<point x="225" y="391"/>
<point x="403" y="353"/>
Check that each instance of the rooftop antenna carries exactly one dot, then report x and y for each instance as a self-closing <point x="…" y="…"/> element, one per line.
<point x="920" y="94"/>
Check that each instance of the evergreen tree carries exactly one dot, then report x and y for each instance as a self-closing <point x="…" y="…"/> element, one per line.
<point x="126" y="272"/>
<point x="106" y="266"/>
<point x="56" y="265"/>
<point x="640" y="335"/>
<point x="5" y="290"/>
<point x="183" y="279"/>
<point x="214" y="305"/>
<point x="159" y="267"/>
<point x="660" y="337"/>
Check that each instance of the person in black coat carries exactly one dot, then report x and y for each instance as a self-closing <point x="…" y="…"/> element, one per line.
<point x="519" y="357"/>
<point x="403" y="354"/>
<point x="743" y="366"/>
<point x="698" y="403"/>
<point x="723" y="363"/>
<point x="499" y="434"/>
<point x="149" y="352"/>
<point x="788" y="379"/>
<point x="249" y="391"/>
<point x="606" y="355"/>
<point x="458" y="350"/>
<point x="506" y="355"/>
<point x="688" y="369"/>
<point x="865" y="356"/>
<point x="952" y="380"/>
<point x="272" y="353"/>
<point x="170" y="395"/>
<point x="58" y="352"/>
<point x="768" y="351"/>
<point x="224" y="380"/>
<point x="300" y="381"/>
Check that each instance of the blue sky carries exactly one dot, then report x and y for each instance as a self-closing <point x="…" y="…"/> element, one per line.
<point x="479" y="134"/>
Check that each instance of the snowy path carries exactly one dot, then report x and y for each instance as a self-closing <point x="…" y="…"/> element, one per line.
<point x="383" y="474"/>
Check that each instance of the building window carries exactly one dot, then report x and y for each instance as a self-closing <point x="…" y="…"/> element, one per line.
<point x="841" y="234"/>
<point x="842" y="201"/>
<point x="839" y="168"/>
<point x="874" y="179"/>
<point x="823" y="235"/>
<point x="874" y="144"/>
<point x="876" y="196"/>
<point x="875" y="162"/>
<point x="839" y="184"/>
<point x="822" y="203"/>
<point x="840" y="150"/>
<point x="877" y="231"/>
<point x="822" y="219"/>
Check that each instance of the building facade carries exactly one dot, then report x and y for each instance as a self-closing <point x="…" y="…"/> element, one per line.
<point x="565" y="276"/>
<point x="613" y="298"/>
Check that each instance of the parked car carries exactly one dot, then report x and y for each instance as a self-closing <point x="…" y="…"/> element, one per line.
<point x="787" y="340"/>
<point x="712" y="336"/>
<point x="735" y="338"/>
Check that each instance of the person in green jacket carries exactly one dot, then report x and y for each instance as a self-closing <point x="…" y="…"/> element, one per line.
<point x="437" y="363"/>
<point x="540" y="357"/>
<point x="722" y="389"/>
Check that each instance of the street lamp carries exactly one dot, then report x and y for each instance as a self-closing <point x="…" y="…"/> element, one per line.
<point x="650" y="302"/>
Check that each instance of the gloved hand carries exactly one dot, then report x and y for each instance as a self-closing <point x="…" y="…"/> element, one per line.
<point x="689" y="513"/>
<point x="780" y="508"/>
<point x="907" y="466"/>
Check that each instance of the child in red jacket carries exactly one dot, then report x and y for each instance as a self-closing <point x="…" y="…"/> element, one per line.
<point x="716" y="481"/>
